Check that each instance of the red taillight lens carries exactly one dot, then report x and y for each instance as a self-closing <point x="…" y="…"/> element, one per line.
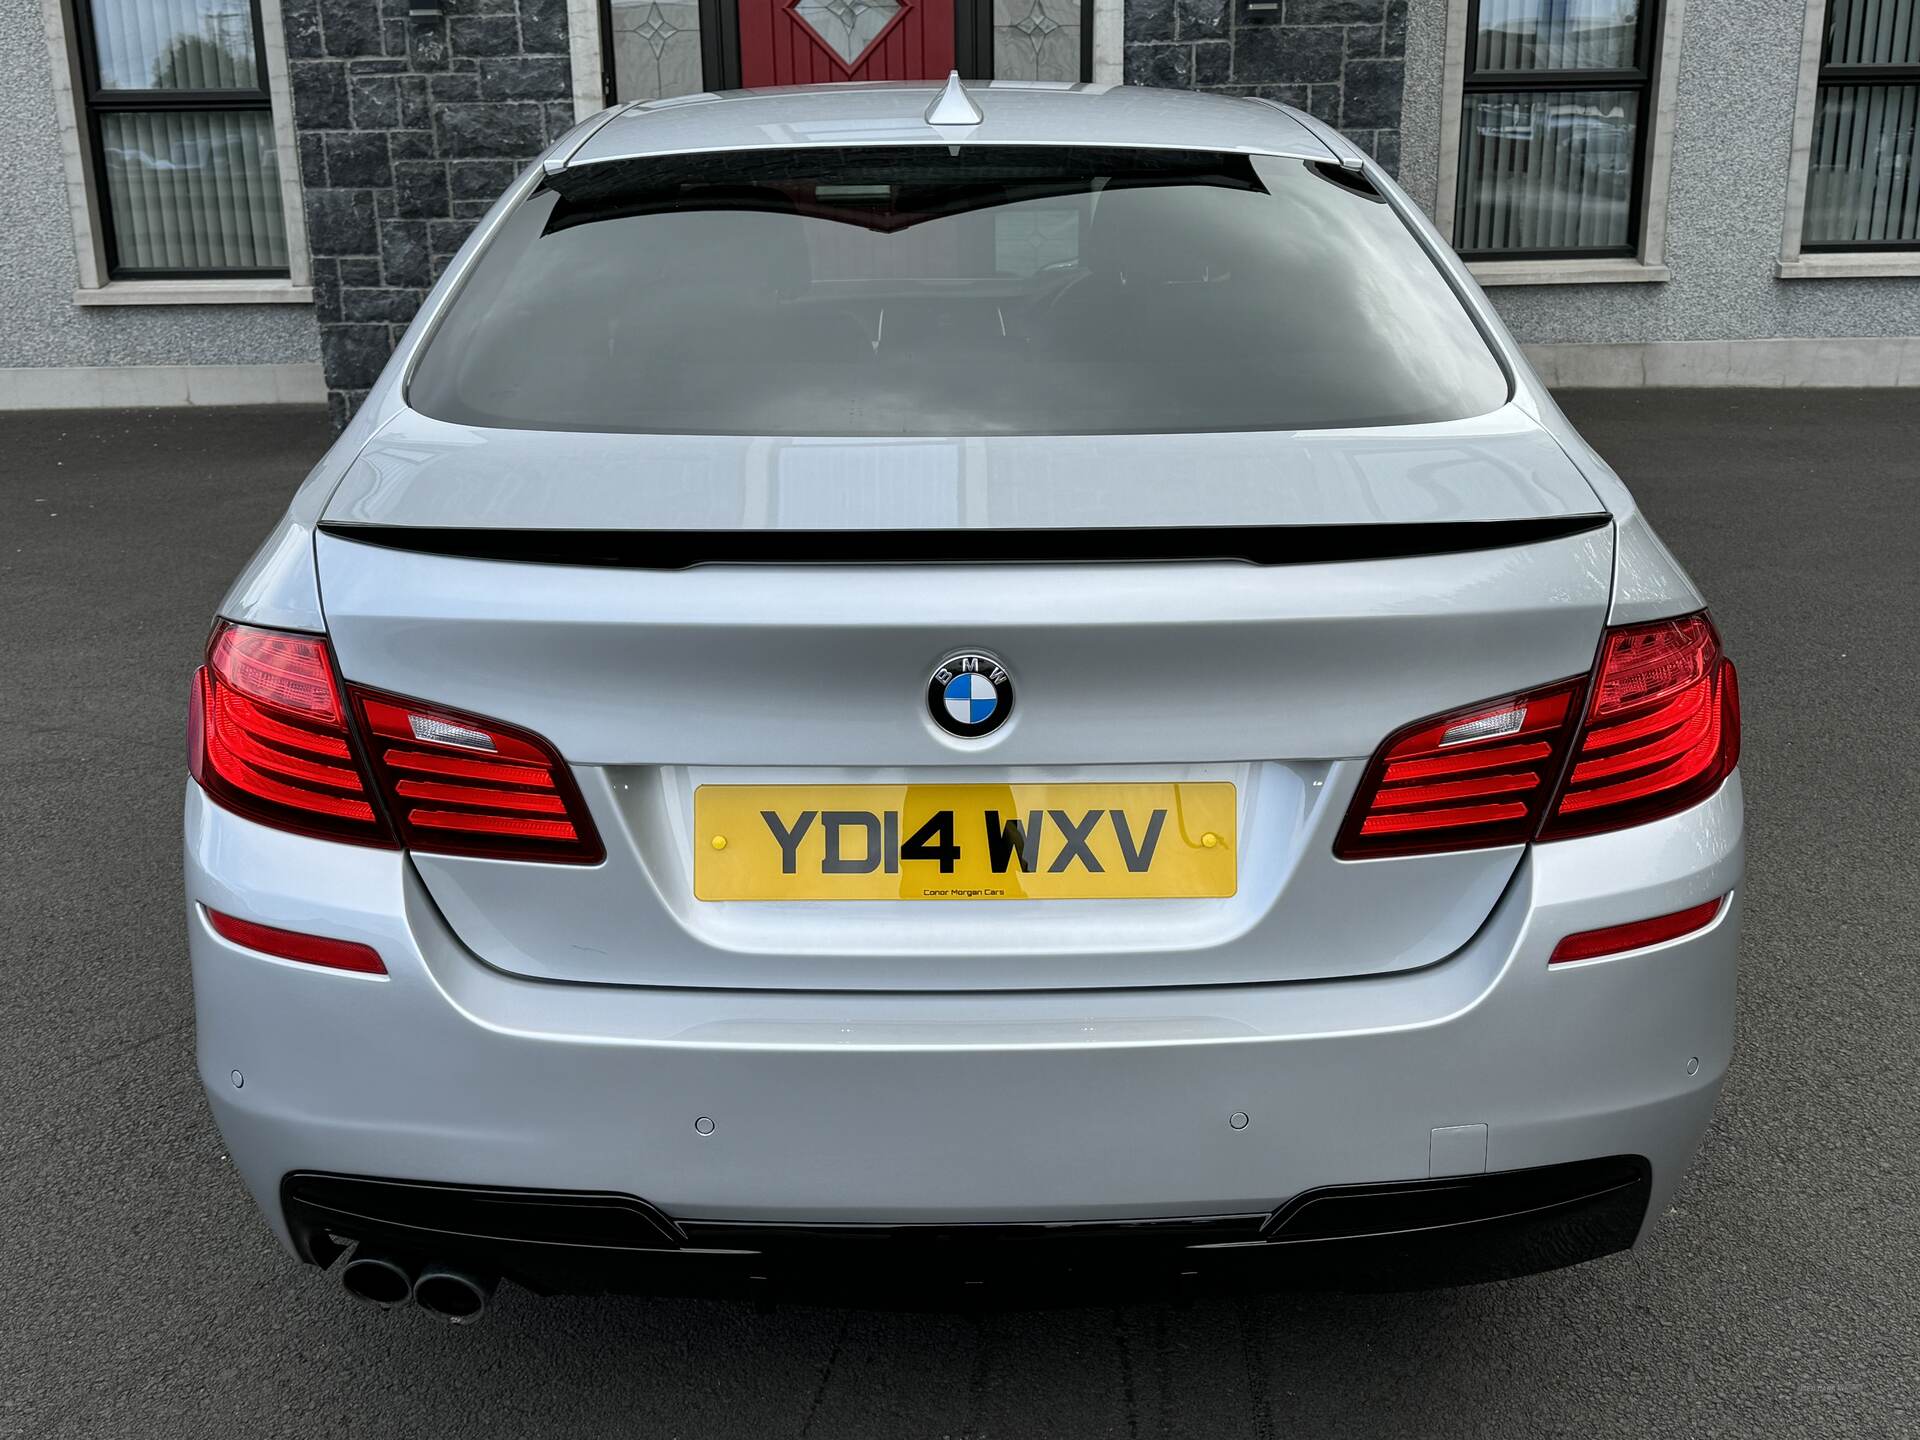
<point x="1661" y="733"/>
<point x="267" y="736"/>
<point x="1634" y="935"/>
<point x="459" y="784"/>
<point x="293" y="945"/>
<point x="1474" y="778"/>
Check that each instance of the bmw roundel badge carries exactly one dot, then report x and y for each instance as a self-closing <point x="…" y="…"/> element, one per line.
<point x="970" y="694"/>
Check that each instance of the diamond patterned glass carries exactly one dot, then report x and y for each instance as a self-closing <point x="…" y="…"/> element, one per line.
<point x="847" y="26"/>
<point x="656" y="49"/>
<point x="1037" y="40"/>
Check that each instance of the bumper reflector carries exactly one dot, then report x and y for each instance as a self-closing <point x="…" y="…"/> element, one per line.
<point x="1635" y="934"/>
<point x="292" y="945"/>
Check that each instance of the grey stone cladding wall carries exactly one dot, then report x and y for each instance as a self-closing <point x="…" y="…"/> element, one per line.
<point x="409" y="130"/>
<point x="1340" y="60"/>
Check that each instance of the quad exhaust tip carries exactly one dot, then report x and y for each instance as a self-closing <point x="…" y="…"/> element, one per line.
<point x="377" y="1280"/>
<point x="455" y="1296"/>
<point x="446" y="1292"/>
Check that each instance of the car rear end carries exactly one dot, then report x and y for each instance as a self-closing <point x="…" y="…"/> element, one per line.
<point x="586" y="885"/>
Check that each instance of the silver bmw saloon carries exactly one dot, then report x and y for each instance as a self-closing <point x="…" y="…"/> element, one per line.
<point x="912" y="690"/>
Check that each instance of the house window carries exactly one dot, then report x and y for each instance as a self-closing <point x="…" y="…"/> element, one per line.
<point x="1555" y="107"/>
<point x="1863" y="176"/>
<point x="181" y="127"/>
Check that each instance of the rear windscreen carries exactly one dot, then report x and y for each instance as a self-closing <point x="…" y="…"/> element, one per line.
<point x="935" y="290"/>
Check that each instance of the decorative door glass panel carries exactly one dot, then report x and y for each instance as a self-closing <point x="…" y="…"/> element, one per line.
<point x="1037" y="40"/>
<point x="656" y="49"/>
<point x="812" y="42"/>
<point x="847" y="27"/>
<point x="663" y="48"/>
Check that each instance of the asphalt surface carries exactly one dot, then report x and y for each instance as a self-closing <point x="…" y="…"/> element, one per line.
<point x="141" y="1295"/>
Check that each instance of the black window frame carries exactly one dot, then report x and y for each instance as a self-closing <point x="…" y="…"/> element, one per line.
<point x="97" y="100"/>
<point x="1639" y="77"/>
<point x="1830" y="75"/>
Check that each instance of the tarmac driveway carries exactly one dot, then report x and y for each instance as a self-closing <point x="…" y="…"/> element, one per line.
<point x="140" y="1295"/>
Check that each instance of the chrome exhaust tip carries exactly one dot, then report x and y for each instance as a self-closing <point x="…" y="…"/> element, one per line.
<point x="455" y="1296"/>
<point x="378" y="1280"/>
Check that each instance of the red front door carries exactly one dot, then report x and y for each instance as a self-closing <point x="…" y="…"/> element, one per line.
<point x="807" y="42"/>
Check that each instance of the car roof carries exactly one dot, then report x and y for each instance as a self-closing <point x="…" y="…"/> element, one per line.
<point x="1015" y="113"/>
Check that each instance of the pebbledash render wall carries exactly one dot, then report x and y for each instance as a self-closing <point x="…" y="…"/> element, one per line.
<point x="1720" y="307"/>
<point x="409" y="129"/>
<point x="54" y="352"/>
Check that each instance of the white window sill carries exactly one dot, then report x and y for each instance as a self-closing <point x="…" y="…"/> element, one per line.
<point x="1568" y="272"/>
<point x="1861" y="265"/>
<point x="196" y="292"/>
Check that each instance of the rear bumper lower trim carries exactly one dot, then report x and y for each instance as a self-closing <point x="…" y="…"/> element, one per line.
<point x="1399" y="1236"/>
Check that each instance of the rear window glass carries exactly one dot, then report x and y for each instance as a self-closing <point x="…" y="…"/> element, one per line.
<point x="935" y="290"/>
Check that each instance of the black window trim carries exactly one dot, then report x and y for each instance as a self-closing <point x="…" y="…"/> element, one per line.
<point x="97" y="100"/>
<point x="1640" y="77"/>
<point x="1832" y="76"/>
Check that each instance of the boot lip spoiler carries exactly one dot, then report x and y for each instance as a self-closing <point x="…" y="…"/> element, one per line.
<point x="683" y="549"/>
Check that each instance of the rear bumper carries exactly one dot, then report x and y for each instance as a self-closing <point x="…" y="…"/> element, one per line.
<point x="1403" y="1236"/>
<point x="1063" y="1107"/>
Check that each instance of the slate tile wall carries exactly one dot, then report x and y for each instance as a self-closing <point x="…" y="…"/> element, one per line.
<point x="409" y="130"/>
<point x="1340" y="60"/>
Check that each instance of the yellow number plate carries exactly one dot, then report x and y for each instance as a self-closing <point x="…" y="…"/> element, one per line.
<point x="963" y="842"/>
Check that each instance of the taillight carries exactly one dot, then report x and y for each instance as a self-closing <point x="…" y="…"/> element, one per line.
<point x="267" y="736"/>
<point x="1476" y="777"/>
<point x="459" y="784"/>
<point x="1662" y="729"/>
<point x="1659" y="733"/>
